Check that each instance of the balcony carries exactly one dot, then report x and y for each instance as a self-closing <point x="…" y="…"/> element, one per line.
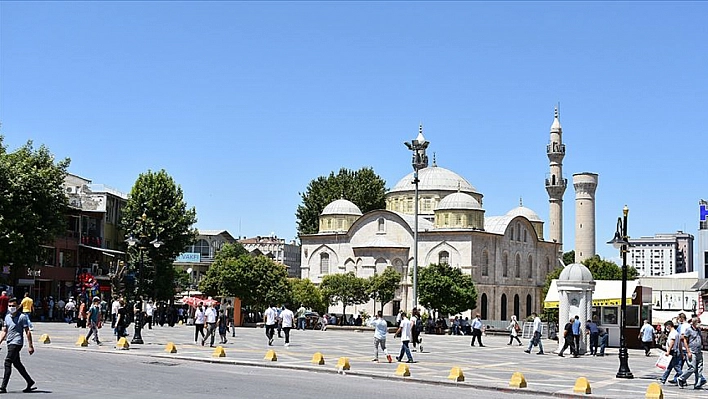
<point x="555" y="149"/>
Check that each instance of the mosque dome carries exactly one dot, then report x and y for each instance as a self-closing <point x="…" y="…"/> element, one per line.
<point x="341" y="207"/>
<point x="458" y="201"/>
<point x="576" y="272"/>
<point x="525" y="212"/>
<point x="435" y="178"/>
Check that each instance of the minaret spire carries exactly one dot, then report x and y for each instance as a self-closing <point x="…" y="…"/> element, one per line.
<point x="555" y="182"/>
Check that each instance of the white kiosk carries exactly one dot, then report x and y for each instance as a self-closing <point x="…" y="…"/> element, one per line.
<point x="575" y="287"/>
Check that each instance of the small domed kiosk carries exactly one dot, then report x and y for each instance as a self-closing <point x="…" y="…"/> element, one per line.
<point x="575" y="288"/>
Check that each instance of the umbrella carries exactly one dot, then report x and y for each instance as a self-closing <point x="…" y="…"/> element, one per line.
<point x="194" y="301"/>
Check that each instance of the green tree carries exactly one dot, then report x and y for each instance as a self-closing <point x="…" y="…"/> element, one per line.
<point x="32" y="203"/>
<point x="569" y="257"/>
<point x="230" y="251"/>
<point x="307" y="294"/>
<point x="363" y="187"/>
<point x="346" y="288"/>
<point x="382" y="287"/>
<point x="156" y="210"/>
<point x="446" y="289"/>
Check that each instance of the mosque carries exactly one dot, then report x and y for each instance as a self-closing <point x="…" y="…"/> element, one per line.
<point x="507" y="256"/>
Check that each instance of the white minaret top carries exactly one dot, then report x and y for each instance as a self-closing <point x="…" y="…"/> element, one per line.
<point x="555" y="182"/>
<point x="420" y="137"/>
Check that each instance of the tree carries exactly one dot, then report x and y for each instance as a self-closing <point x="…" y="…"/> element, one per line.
<point x="230" y="251"/>
<point x="363" y="187"/>
<point x="156" y="210"/>
<point x="32" y="203"/>
<point x="307" y="294"/>
<point x="446" y="289"/>
<point x="382" y="287"/>
<point x="569" y="257"/>
<point x="346" y="288"/>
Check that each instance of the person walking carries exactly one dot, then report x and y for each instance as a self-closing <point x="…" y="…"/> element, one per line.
<point x="149" y="313"/>
<point x="646" y="335"/>
<point x="15" y="324"/>
<point x="27" y="306"/>
<point x="94" y="320"/>
<point x="121" y="319"/>
<point x="301" y="317"/>
<point x="286" y="319"/>
<point x="405" y="331"/>
<point x="3" y="304"/>
<point x="594" y="333"/>
<point x="537" y="333"/>
<point x="673" y="349"/>
<point x="270" y="317"/>
<point x="514" y="330"/>
<point x="81" y="321"/>
<point x="210" y="319"/>
<point x="576" y="335"/>
<point x="223" y="325"/>
<point x="568" y="342"/>
<point x="199" y="320"/>
<point x="380" y="331"/>
<point x="69" y="311"/>
<point x="694" y="356"/>
<point x="416" y="328"/>
<point x="477" y="330"/>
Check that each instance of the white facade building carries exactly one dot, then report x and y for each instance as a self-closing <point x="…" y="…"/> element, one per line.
<point x="662" y="254"/>
<point x="702" y="261"/>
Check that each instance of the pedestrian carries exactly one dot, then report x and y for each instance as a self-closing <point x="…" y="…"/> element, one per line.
<point x="121" y="320"/>
<point x="694" y="356"/>
<point x="416" y="329"/>
<point x="301" y="317"/>
<point x="673" y="345"/>
<point x="27" y="306"/>
<point x="594" y="333"/>
<point x="399" y="317"/>
<point x="270" y="315"/>
<point x="537" y="333"/>
<point x="514" y="330"/>
<point x="568" y="342"/>
<point x="646" y="335"/>
<point x="69" y="310"/>
<point x="60" y="309"/>
<point x="199" y="322"/>
<point x="279" y="322"/>
<point x="576" y="335"/>
<point x="210" y="319"/>
<point x="81" y="321"/>
<point x="16" y="322"/>
<point x="405" y="331"/>
<point x="286" y="319"/>
<point x="604" y="338"/>
<point x="115" y="305"/>
<point x="380" y="331"/>
<point x="3" y="304"/>
<point x="477" y="330"/>
<point x="94" y="320"/>
<point x="149" y="312"/>
<point x="223" y="325"/>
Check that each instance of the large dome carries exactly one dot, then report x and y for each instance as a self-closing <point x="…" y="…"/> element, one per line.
<point x="525" y="212"/>
<point x="458" y="201"/>
<point x="435" y="178"/>
<point x="576" y="272"/>
<point x="341" y="207"/>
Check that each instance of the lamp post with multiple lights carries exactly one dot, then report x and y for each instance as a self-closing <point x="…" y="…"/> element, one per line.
<point x="420" y="161"/>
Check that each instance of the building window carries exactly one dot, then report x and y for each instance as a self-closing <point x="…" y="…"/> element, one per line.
<point x="525" y="233"/>
<point x="444" y="258"/>
<point x="505" y="265"/>
<point x="517" y="305"/>
<point x="324" y="263"/>
<point x="485" y="263"/>
<point x="529" y="305"/>
<point x="340" y="224"/>
<point x="503" y="307"/>
<point x="382" y="225"/>
<point x="518" y="266"/>
<point x="548" y="265"/>
<point x="202" y="247"/>
<point x="518" y="232"/>
<point x="530" y="265"/>
<point x="484" y="307"/>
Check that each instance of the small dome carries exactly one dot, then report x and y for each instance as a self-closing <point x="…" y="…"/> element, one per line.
<point x="525" y="212"/>
<point x="576" y="272"/>
<point x="341" y="207"/>
<point x="458" y="201"/>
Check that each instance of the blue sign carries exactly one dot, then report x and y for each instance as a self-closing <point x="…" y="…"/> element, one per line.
<point x="704" y="213"/>
<point x="189" y="257"/>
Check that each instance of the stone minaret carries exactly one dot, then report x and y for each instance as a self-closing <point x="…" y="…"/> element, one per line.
<point x="585" y="185"/>
<point x="555" y="183"/>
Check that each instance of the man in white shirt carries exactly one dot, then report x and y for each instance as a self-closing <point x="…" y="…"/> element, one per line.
<point x="210" y="319"/>
<point x="477" y="330"/>
<point x="149" y="311"/>
<point x="537" y="332"/>
<point x="286" y="318"/>
<point x="199" y="320"/>
<point x="380" y="331"/>
<point x="405" y="330"/>
<point x="270" y="317"/>
<point x="115" y="305"/>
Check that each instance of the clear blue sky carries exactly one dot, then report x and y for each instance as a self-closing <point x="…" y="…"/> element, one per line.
<point x="245" y="103"/>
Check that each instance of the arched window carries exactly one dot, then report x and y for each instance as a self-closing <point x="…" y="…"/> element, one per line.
<point x="485" y="263"/>
<point x="444" y="258"/>
<point x="202" y="247"/>
<point x="503" y="307"/>
<point x="530" y="267"/>
<point x="529" y="305"/>
<point x="484" y="307"/>
<point x="505" y="265"/>
<point x="324" y="263"/>
<point x="380" y="265"/>
<point x="517" y="266"/>
<point x="524" y="235"/>
<point x="548" y="265"/>
<point x="398" y="266"/>
<point x="518" y="231"/>
<point x="517" y="305"/>
<point x="382" y="225"/>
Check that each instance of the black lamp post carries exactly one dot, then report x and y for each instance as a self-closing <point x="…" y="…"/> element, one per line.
<point x="621" y="242"/>
<point x="132" y="242"/>
<point x="420" y="161"/>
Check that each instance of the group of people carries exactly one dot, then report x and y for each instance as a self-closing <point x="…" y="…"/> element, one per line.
<point x="211" y="319"/>
<point x="684" y="344"/>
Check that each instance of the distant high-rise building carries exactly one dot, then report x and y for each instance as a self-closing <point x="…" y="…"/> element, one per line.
<point x="662" y="254"/>
<point x="702" y="263"/>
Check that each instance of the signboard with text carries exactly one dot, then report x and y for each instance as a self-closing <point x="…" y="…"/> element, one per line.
<point x="189" y="257"/>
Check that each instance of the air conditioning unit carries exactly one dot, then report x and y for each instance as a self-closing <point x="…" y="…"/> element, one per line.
<point x="70" y="190"/>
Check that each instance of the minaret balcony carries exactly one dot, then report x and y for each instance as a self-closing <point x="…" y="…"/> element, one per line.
<point x="560" y="183"/>
<point x="555" y="148"/>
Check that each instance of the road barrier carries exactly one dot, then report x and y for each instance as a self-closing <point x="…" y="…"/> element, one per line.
<point x="654" y="391"/>
<point x="518" y="380"/>
<point x="582" y="385"/>
<point x="123" y="344"/>
<point x="170" y="348"/>
<point x="403" y="370"/>
<point x="81" y="341"/>
<point x="343" y="364"/>
<point x="456" y="374"/>
<point x="219" y="352"/>
<point x="318" y="358"/>
<point x="45" y="339"/>
<point x="271" y="356"/>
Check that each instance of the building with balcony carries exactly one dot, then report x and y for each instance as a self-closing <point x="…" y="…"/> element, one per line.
<point x="662" y="254"/>
<point x="200" y="255"/>
<point x="277" y="249"/>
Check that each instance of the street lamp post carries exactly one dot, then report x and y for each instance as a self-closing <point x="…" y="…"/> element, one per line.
<point x="420" y="161"/>
<point x="621" y="242"/>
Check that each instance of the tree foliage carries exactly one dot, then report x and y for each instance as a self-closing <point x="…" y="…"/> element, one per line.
<point x="363" y="187"/>
<point x="32" y="203"/>
<point x="230" y="251"/>
<point x="568" y="257"/>
<point x="382" y="287"/>
<point x="446" y="289"/>
<point x="156" y="210"/>
<point x="307" y="294"/>
<point x="346" y="288"/>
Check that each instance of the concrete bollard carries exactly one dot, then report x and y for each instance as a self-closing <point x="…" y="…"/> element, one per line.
<point x="170" y="348"/>
<point x="518" y="381"/>
<point x="271" y="356"/>
<point x="45" y="339"/>
<point x="403" y="370"/>
<point x="81" y="341"/>
<point x="318" y="358"/>
<point x="582" y="385"/>
<point x="456" y="374"/>
<point x="654" y="391"/>
<point x="343" y="364"/>
<point x="219" y="352"/>
<point x="123" y="344"/>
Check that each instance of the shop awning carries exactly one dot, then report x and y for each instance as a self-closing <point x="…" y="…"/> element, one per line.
<point x="607" y="293"/>
<point x="106" y="251"/>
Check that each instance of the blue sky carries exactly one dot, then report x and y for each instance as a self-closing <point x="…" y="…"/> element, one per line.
<point x="244" y="103"/>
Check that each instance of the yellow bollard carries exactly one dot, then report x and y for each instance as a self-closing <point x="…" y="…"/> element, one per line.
<point x="45" y="339"/>
<point x="82" y="341"/>
<point x="270" y="355"/>
<point x="318" y="358"/>
<point x="403" y="370"/>
<point x="219" y="352"/>
<point x="170" y="348"/>
<point x="518" y="380"/>
<point x="582" y="385"/>
<point x="123" y="344"/>
<point x="456" y="374"/>
<point x="343" y="363"/>
<point x="654" y="391"/>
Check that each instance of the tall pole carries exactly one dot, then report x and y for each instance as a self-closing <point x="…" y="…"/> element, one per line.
<point x="415" y="239"/>
<point x="138" y="307"/>
<point x="624" y="371"/>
